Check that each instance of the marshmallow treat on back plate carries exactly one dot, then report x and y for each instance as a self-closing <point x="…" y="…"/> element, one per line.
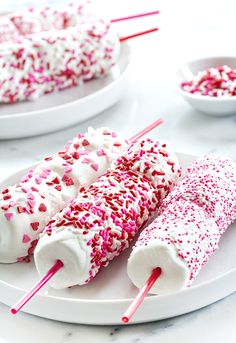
<point x="51" y="49"/>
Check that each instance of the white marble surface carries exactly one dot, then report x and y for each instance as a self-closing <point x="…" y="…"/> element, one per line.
<point x="189" y="29"/>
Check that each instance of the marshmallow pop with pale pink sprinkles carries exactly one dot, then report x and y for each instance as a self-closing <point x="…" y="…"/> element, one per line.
<point x="188" y="228"/>
<point x="105" y="217"/>
<point x="26" y="207"/>
<point x="42" y="51"/>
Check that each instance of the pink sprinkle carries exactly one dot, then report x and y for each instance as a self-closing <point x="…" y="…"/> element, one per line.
<point x="85" y="152"/>
<point x="24" y="190"/>
<point x="38" y="180"/>
<point x="25" y="179"/>
<point x="68" y="169"/>
<point x="86" y="160"/>
<point x="30" y="196"/>
<point x="94" y="166"/>
<point x="43" y="175"/>
<point x="101" y="153"/>
<point x="20" y="259"/>
<point x="85" y="142"/>
<point x="31" y="203"/>
<point x="25" y="239"/>
<point x="34" y="189"/>
<point x="8" y="215"/>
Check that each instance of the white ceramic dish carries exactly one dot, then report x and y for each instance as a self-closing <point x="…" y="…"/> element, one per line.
<point x="103" y="301"/>
<point x="212" y="106"/>
<point x="63" y="109"/>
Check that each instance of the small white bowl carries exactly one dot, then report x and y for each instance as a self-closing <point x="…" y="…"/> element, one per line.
<point x="221" y="106"/>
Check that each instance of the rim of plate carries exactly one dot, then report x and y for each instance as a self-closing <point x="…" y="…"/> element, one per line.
<point x="123" y="300"/>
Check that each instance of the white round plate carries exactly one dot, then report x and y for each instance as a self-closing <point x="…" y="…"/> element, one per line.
<point x="104" y="300"/>
<point x="58" y="110"/>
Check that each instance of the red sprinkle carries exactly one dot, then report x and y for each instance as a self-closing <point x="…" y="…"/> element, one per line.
<point x="42" y="208"/>
<point x="35" y="226"/>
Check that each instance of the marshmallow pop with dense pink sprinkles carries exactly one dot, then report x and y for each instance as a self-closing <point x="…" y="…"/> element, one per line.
<point x="188" y="228"/>
<point x="105" y="217"/>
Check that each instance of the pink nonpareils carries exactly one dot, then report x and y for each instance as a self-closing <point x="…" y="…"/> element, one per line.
<point x="215" y="82"/>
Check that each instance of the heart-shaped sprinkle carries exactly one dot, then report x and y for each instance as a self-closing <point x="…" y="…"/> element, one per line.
<point x="38" y="180"/>
<point x="101" y="153"/>
<point x="20" y="209"/>
<point x="68" y="180"/>
<point x="85" y="142"/>
<point x="75" y="155"/>
<point x="35" y="226"/>
<point x="56" y="180"/>
<point x="58" y="188"/>
<point x="42" y="208"/>
<point x="25" y="239"/>
<point x="8" y="215"/>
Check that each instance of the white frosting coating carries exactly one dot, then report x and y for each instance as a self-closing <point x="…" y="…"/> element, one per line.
<point x="84" y="47"/>
<point x="104" y="218"/>
<point x="190" y="223"/>
<point x="26" y="207"/>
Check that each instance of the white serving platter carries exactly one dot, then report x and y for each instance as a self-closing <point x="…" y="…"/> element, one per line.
<point x="59" y="110"/>
<point x="103" y="301"/>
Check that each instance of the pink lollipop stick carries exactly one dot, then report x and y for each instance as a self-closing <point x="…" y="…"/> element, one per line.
<point x="141" y="295"/>
<point x="52" y="271"/>
<point x="135" y="16"/>
<point x="59" y="264"/>
<point x="122" y="39"/>
<point x="146" y="130"/>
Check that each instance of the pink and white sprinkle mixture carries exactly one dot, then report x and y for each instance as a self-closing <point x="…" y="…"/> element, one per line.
<point x="196" y="213"/>
<point x="215" y="82"/>
<point x="106" y="216"/>
<point x="26" y="207"/>
<point x="42" y="51"/>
